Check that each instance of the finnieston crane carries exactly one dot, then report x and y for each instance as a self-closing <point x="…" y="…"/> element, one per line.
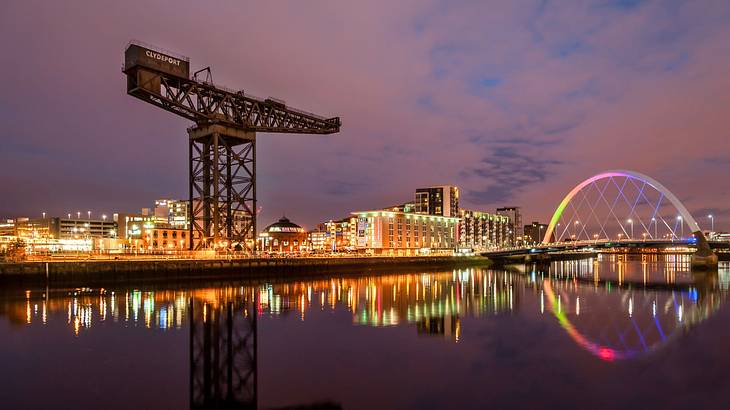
<point x="222" y="142"/>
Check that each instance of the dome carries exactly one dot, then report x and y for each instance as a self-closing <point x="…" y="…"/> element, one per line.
<point x="284" y="225"/>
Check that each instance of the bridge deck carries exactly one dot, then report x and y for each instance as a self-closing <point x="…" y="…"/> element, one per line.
<point x="593" y="246"/>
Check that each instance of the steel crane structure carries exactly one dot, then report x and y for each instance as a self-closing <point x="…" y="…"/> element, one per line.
<point x="222" y="143"/>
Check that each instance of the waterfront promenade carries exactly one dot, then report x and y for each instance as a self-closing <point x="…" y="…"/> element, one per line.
<point x="97" y="270"/>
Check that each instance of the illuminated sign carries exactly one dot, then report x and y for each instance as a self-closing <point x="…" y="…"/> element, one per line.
<point x="162" y="57"/>
<point x="136" y="55"/>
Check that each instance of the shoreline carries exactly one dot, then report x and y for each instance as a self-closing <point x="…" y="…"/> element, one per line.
<point x="124" y="271"/>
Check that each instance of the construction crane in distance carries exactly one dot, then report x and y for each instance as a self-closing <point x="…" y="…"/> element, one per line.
<point x="222" y="142"/>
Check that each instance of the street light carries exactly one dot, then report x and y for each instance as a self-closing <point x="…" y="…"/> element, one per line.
<point x="654" y="220"/>
<point x="712" y="222"/>
<point x="103" y="217"/>
<point x="679" y="218"/>
<point x="44" y="215"/>
<point x="78" y="215"/>
<point x="88" y="213"/>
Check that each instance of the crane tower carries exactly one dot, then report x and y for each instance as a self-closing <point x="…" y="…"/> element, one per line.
<point x="222" y="141"/>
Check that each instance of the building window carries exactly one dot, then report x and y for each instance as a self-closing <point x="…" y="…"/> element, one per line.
<point x="174" y="234"/>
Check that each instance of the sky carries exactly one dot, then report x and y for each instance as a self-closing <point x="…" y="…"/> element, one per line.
<point x="515" y="102"/>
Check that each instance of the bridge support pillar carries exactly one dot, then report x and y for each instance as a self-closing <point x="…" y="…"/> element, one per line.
<point x="704" y="258"/>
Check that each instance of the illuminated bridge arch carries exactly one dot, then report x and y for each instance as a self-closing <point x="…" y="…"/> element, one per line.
<point x="631" y="180"/>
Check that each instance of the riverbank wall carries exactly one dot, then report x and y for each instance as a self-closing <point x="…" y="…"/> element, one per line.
<point x="124" y="271"/>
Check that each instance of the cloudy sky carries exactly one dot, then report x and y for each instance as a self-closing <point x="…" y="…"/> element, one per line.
<point x="513" y="101"/>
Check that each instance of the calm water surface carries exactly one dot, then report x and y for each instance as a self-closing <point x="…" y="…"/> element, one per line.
<point x="615" y="332"/>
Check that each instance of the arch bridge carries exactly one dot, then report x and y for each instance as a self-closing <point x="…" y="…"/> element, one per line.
<point x="620" y="208"/>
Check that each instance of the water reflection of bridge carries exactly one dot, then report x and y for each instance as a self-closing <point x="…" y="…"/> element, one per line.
<point x="639" y="320"/>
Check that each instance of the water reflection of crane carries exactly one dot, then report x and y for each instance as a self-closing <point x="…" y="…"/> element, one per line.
<point x="223" y="355"/>
<point x="448" y="326"/>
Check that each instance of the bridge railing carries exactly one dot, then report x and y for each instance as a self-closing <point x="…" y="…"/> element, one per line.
<point x="590" y="243"/>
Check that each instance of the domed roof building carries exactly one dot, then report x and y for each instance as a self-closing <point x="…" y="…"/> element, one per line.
<point x="283" y="236"/>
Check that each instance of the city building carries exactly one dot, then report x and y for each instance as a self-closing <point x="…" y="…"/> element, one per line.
<point x="343" y="233"/>
<point x="70" y="228"/>
<point x="158" y="238"/>
<point x="515" y="217"/>
<point x="26" y="228"/>
<point x="131" y="226"/>
<point x="54" y="234"/>
<point x="65" y="228"/>
<point x="153" y="232"/>
<point x="721" y="236"/>
<point x="339" y="235"/>
<point x="391" y="232"/>
<point x="408" y="207"/>
<point x="482" y="230"/>
<point x="438" y="200"/>
<point x="7" y="227"/>
<point x="174" y="211"/>
<point x="283" y="236"/>
<point x="534" y="233"/>
<point x="334" y="236"/>
<point x="318" y="239"/>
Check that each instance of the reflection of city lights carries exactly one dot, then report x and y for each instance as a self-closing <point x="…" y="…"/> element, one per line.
<point x="559" y="305"/>
<point x="436" y="307"/>
<point x="542" y="301"/>
<point x="631" y="307"/>
<point x="163" y="318"/>
<point x="679" y="312"/>
<point x="607" y="354"/>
